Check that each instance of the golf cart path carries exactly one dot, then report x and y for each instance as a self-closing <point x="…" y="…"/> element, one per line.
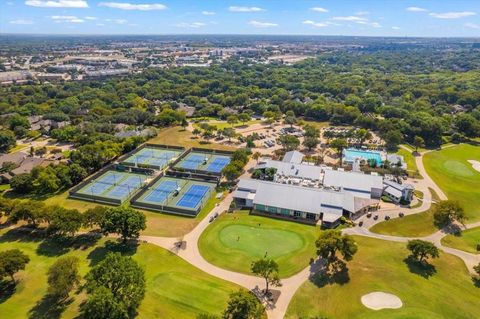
<point x="469" y="259"/>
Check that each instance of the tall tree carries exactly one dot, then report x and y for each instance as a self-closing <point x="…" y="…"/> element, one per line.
<point x="125" y="221"/>
<point x="243" y="305"/>
<point x="11" y="262"/>
<point x="447" y="212"/>
<point x="421" y="250"/>
<point x="418" y="142"/>
<point x="268" y="270"/>
<point x="290" y="118"/>
<point x="63" y="276"/>
<point x="122" y="277"/>
<point x="331" y="243"/>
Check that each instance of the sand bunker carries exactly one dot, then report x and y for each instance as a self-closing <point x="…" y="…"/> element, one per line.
<point x="381" y="300"/>
<point x="475" y="164"/>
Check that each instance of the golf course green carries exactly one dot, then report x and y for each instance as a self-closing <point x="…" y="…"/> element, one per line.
<point x="174" y="288"/>
<point x="234" y="241"/>
<point x="452" y="172"/>
<point x="379" y="266"/>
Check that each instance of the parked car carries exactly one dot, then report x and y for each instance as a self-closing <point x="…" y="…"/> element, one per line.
<point x="210" y="219"/>
<point x="401" y="214"/>
<point x="387" y="217"/>
<point x="369" y="215"/>
<point x="375" y="217"/>
<point x="360" y="223"/>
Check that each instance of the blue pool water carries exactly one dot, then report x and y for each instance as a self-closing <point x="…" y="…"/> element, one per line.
<point x="350" y="154"/>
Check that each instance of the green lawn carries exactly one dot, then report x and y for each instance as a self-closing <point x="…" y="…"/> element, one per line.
<point x="467" y="240"/>
<point x="379" y="266"/>
<point x="456" y="177"/>
<point x="223" y="124"/>
<point x="180" y="137"/>
<point x="175" y="289"/>
<point x="158" y="224"/>
<point x="412" y="169"/>
<point x="420" y="224"/>
<point x="233" y="241"/>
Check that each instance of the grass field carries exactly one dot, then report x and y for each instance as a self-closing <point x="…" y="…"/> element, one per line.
<point x="158" y="224"/>
<point x="467" y="240"/>
<point x="412" y="169"/>
<point x="175" y="289"/>
<point x="456" y="177"/>
<point x="235" y="240"/>
<point x="223" y="124"/>
<point x="415" y="225"/>
<point x="379" y="266"/>
<point x="179" y="137"/>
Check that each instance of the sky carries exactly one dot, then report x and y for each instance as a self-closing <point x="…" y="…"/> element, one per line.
<point x="427" y="18"/>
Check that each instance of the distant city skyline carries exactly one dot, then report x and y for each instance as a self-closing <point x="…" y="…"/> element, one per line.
<point x="433" y="18"/>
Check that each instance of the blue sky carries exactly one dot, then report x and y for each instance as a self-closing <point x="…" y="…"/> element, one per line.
<point x="438" y="18"/>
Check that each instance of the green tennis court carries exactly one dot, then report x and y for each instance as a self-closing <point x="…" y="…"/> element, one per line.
<point x="114" y="185"/>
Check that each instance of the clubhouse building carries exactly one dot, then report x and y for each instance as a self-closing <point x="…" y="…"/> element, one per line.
<point x="315" y="194"/>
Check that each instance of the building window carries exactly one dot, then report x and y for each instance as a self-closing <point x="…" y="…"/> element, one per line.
<point x="297" y="214"/>
<point x="285" y="212"/>
<point x="311" y="216"/>
<point x="260" y="207"/>
<point x="272" y="210"/>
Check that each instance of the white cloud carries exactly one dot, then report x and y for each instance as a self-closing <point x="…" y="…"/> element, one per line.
<point x="416" y="9"/>
<point x="316" y="24"/>
<point x="117" y="21"/>
<point x="57" y="3"/>
<point x="319" y="9"/>
<point x="208" y="13"/>
<point x="259" y="24"/>
<point x="69" y="19"/>
<point x="396" y="28"/>
<point x="21" y="21"/>
<point x="350" y="18"/>
<point x="194" y="25"/>
<point x="133" y="6"/>
<point x="472" y="25"/>
<point x="90" y="18"/>
<point x="452" y="15"/>
<point x="100" y="24"/>
<point x="245" y="9"/>
<point x="362" y="13"/>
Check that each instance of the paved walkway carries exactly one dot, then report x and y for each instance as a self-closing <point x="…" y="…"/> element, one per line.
<point x="187" y="247"/>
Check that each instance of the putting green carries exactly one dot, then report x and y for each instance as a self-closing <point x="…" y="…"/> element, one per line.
<point x="452" y="172"/>
<point x="257" y="241"/>
<point x="234" y="241"/>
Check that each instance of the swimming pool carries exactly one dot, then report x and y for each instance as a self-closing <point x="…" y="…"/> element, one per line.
<point x="350" y="154"/>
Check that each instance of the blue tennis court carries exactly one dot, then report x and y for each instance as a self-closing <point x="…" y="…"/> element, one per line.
<point x="193" y="196"/>
<point x="218" y="164"/>
<point x="161" y="192"/>
<point x="193" y="161"/>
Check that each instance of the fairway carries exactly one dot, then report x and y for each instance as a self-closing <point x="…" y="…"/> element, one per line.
<point x="379" y="266"/>
<point x="256" y="241"/>
<point x="235" y="240"/>
<point x="452" y="172"/>
<point x="175" y="289"/>
<point x="467" y="240"/>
